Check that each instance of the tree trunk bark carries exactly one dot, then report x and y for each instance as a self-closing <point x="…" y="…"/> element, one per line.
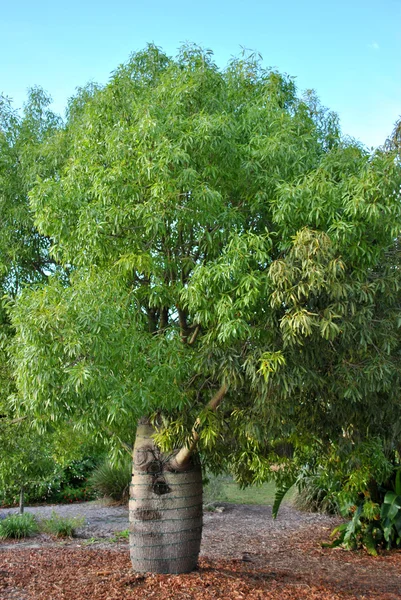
<point x="21" y="500"/>
<point x="165" y="509"/>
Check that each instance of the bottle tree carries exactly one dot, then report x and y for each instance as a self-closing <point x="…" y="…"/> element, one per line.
<point x="232" y="284"/>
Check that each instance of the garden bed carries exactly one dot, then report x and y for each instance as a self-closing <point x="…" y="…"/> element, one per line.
<point x="245" y="554"/>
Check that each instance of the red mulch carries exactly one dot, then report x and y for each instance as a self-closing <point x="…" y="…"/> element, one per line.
<point x="302" y="570"/>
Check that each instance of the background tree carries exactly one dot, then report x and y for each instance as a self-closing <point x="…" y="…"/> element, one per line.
<point x="25" y="455"/>
<point x="234" y="282"/>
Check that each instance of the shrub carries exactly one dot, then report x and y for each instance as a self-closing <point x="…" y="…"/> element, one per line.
<point x="373" y="524"/>
<point x="112" y="480"/>
<point x="73" y="494"/>
<point x="317" y="495"/>
<point x="70" y="484"/>
<point x="61" y="526"/>
<point x="18" y="526"/>
<point x="67" y="484"/>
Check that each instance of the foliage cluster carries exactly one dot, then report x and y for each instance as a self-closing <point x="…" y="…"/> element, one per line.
<point x="112" y="480"/>
<point x="362" y="483"/>
<point x="56" y="472"/>
<point x="375" y="517"/>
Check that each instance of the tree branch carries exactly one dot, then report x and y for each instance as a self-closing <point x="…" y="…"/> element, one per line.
<point x="182" y="316"/>
<point x="194" y="335"/>
<point x="181" y="459"/>
<point x="13" y="421"/>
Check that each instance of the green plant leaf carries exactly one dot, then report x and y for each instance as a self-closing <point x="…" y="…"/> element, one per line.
<point x="279" y="496"/>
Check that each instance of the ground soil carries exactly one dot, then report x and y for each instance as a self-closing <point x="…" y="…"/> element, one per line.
<point x="245" y="555"/>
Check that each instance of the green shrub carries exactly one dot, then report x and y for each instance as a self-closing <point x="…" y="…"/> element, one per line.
<point x="373" y="524"/>
<point x="317" y="495"/>
<point x="70" y="485"/>
<point x="61" y="526"/>
<point x="18" y="526"/>
<point x="112" y="480"/>
<point x="73" y="494"/>
<point x="67" y="484"/>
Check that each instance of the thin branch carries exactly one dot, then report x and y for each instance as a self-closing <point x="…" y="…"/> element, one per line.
<point x="182" y="458"/>
<point x="194" y="335"/>
<point x="13" y="421"/>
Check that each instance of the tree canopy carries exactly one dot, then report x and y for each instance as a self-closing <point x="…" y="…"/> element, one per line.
<point x="217" y="230"/>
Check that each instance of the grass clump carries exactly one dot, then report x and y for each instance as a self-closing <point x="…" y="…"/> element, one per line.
<point x="112" y="480"/>
<point x="61" y="527"/>
<point x="18" y="526"/>
<point x="121" y="535"/>
<point x="317" y="495"/>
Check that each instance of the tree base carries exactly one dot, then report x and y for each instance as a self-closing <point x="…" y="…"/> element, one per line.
<point x="165" y="510"/>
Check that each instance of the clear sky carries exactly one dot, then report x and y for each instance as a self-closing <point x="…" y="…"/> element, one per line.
<point x="348" y="51"/>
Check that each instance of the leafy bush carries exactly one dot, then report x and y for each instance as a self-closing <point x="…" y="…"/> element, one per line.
<point x="68" y="484"/>
<point x="71" y="484"/>
<point x="112" y="480"/>
<point x="373" y="525"/>
<point x="317" y="495"/>
<point x="18" y="526"/>
<point x="73" y="494"/>
<point x="348" y="475"/>
<point x="61" y="526"/>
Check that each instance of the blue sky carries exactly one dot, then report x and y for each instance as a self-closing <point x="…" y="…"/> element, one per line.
<point x="348" y="51"/>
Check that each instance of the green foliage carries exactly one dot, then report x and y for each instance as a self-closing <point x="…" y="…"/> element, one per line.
<point x="216" y="229"/>
<point x="112" y="480"/>
<point x="281" y="492"/>
<point x="390" y="515"/>
<point x="18" y="526"/>
<point x="26" y="461"/>
<point x="55" y="472"/>
<point x="25" y="153"/>
<point x="372" y="526"/>
<point x="71" y="483"/>
<point x="366" y="488"/>
<point x="333" y="479"/>
<point x="26" y="525"/>
<point x="317" y="494"/>
<point x="121" y="535"/>
<point x="61" y="527"/>
<point x="68" y="493"/>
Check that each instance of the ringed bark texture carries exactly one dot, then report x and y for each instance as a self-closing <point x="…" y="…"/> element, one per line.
<point x="165" y="510"/>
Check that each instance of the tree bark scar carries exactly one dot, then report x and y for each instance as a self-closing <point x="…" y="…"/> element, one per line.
<point x="147" y="515"/>
<point x="148" y="458"/>
<point x="161" y="487"/>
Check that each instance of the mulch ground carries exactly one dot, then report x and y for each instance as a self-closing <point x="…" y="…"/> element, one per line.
<point x="271" y="564"/>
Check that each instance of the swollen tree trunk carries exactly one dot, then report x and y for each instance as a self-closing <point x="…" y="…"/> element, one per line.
<point x="165" y="509"/>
